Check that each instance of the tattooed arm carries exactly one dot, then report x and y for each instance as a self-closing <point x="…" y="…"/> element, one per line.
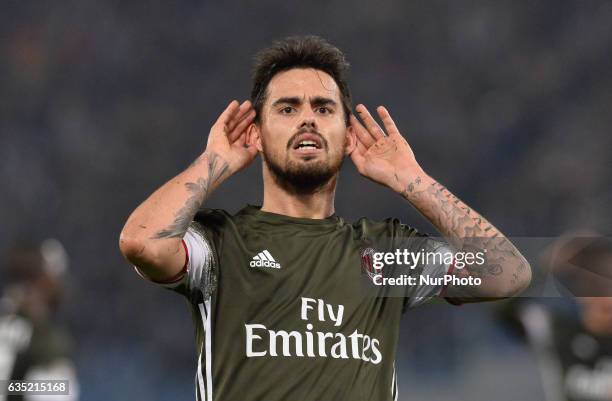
<point x="387" y="158"/>
<point x="504" y="271"/>
<point x="151" y="237"/>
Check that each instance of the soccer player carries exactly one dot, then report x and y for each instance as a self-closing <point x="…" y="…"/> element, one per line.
<point x="571" y="336"/>
<point x="32" y="345"/>
<point x="277" y="290"/>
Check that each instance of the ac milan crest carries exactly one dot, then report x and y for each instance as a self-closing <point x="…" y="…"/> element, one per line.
<point x="367" y="263"/>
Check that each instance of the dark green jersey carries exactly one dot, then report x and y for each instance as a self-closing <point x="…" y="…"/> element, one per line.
<point x="34" y="350"/>
<point x="283" y="310"/>
<point x="575" y="364"/>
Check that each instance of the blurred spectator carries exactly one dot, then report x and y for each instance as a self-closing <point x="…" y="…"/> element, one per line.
<point x="32" y="346"/>
<point x="572" y="336"/>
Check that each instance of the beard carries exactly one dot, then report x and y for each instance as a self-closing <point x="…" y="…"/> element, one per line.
<point x="302" y="178"/>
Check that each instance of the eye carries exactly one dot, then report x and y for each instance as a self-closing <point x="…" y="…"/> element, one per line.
<point x="324" y="110"/>
<point x="286" y="110"/>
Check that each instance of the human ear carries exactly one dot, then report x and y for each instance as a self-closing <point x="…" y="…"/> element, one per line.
<point x="350" y="141"/>
<point x="254" y="136"/>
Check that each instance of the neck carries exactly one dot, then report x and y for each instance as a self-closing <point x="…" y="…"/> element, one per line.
<point x="318" y="204"/>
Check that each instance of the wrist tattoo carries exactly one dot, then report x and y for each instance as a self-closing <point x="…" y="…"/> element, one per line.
<point x="411" y="187"/>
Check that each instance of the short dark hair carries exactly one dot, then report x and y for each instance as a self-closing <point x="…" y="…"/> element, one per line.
<point x="299" y="52"/>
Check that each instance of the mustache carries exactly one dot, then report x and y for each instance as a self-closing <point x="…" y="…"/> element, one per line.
<point x="305" y="130"/>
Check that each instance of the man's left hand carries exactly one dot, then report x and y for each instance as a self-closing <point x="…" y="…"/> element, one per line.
<point x="383" y="156"/>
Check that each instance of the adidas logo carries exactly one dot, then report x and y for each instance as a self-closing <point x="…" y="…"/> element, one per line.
<point x="264" y="259"/>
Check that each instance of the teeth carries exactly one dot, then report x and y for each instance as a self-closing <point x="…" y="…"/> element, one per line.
<point x="304" y="144"/>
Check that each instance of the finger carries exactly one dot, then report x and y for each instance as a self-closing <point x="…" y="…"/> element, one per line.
<point x="370" y="123"/>
<point x="241" y="140"/>
<point x="242" y="125"/>
<point x="357" y="157"/>
<point x="359" y="143"/>
<point x="227" y="114"/>
<point x="243" y="110"/>
<point x="361" y="148"/>
<point x="361" y="132"/>
<point x="388" y="122"/>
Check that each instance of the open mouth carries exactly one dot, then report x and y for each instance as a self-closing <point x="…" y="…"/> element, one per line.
<point x="307" y="145"/>
<point x="306" y="142"/>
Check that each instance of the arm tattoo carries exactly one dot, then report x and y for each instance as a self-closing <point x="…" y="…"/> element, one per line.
<point x="184" y="216"/>
<point x="410" y="187"/>
<point x="217" y="167"/>
<point x="467" y="230"/>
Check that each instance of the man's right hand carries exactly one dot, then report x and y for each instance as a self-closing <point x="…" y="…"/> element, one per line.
<point x="228" y="136"/>
<point x="151" y="238"/>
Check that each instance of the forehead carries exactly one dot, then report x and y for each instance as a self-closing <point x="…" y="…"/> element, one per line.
<point x="301" y="82"/>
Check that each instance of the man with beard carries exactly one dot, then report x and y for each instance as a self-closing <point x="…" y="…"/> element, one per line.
<point x="277" y="291"/>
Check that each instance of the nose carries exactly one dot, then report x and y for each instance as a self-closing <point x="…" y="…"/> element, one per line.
<point x="308" y="118"/>
<point x="308" y="122"/>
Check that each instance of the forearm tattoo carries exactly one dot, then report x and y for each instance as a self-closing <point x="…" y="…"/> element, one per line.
<point x="217" y="168"/>
<point x="466" y="229"/>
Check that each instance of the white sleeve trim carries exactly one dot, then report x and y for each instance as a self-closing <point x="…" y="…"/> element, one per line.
<point x="424" y="293"/>
<point x="200" y="260"/>
<point x="199" y="263"/>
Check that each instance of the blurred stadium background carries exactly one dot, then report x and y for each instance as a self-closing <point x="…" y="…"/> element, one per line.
<point x="508" y="103"/>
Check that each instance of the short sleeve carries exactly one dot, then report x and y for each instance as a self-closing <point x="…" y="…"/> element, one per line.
<point x="429" y="274"/>
<point x="196" y="281"/>
<point x="436" y="261"/>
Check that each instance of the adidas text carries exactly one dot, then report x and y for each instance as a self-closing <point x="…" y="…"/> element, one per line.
<point x="264" y="259"/>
